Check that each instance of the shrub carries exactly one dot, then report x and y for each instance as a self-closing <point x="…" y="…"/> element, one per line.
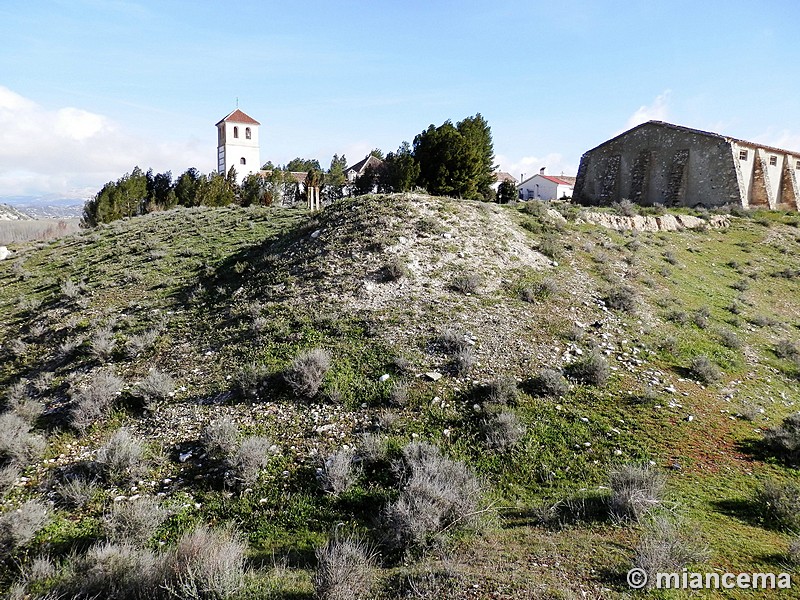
<point x="787" y="349"/>
<point x="8" y="476"/>
<point x="220" y="438"/>
<point x="156" y="385"/>
<point x="304" y="376"/>
<point x="395" y="269"/>
<point x="592" y="369"/>
<point x="540" y="290"/>
<point x="700" y="317"/>
<point x="338" y="473"/>
<point x="76" y="492"/>
<point x="116" y="572"/>
<point x="729" y="339"/>
<point x="794" y="551"/>
<point x="451" y="339"/>
<point x="466" y="283"/>
<point x="465" y="360"/>
<point x="635" y="490"/>
<point x="250" y="380"/>
<point x="206" y="563"/>
<point x="18" y="527"/>
<point x="17" y="443"/>
<point x="399" y="394"/>
<point x="662" y="549"/>
<point x="784" y="440"/>
<point x="437" y="494"/>
<point x="779" y="505"/>
<point x="93" y="402"/>
<point x="102" y="344"/>
<point x="503" y="391"/>
<point x="249" y="459"/>
<point x="141" y="342"/>
<point x="503" y="430"/>
<point x="622" y="298"/>
<point x="551" y="247"/>
<point x="345" y="570"/>
<point x="705" y="370"/>
<point x="373" y="447"/>
<point x="625" y="208"/>
<point x="134" y="522"/>
<point x="549" y="382"/>
<point x="121" y="458"/>
<point x="669" y="256"/>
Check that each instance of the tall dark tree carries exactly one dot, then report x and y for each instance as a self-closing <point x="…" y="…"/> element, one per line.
<point x="507" y="192"/>
<point x="160" y="191"/>
<point x="401" y="170"/>
<point x="253" y="190"/>
<point x="335" y="179"/>
<point x="125" y="197"/>
<point x="366" y="182"/>
<point x="456" y="160"/>
<point x="216" y="190"/>
<point x="186" y="187"/>
<point x="303" y="165"/>
<point x="377" y="153"/>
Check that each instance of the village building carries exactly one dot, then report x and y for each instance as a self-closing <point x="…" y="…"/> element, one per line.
<point x="357" y="170"/>
<point x="546" y="187"/>
<point x="238" y="145"/>
<point x="501" y="177"/>
<point x="672" y="165"/>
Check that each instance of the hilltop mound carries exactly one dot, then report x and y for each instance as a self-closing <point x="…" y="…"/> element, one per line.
<point x="253" y="352"/>
<point x="9" y="213"/>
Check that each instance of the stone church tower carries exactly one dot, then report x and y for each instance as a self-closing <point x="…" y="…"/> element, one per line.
<point x="237" y="145"/>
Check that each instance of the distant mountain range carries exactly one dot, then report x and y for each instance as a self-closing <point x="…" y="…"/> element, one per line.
<point x="25" y="208"/>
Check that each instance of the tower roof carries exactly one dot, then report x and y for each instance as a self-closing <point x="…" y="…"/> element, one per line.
<point x="238" y="116"/>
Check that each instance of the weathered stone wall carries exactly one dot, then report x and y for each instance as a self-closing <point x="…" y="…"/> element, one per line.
<point x="658" y="163"/>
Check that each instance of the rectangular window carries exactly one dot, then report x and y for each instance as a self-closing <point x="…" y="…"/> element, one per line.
<point x="742" y="154"/>
<point x="773" y="161"/>
<point x="797" y="166"/>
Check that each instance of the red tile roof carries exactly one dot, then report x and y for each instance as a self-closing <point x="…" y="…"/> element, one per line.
<point x="238" y="116"/>
<point x="559" y="180"/>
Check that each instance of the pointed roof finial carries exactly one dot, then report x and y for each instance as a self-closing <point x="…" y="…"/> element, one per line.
<point x="237" y="101"/>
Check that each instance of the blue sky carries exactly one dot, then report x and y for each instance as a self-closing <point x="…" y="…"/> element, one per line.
<point x="91" y="88"/>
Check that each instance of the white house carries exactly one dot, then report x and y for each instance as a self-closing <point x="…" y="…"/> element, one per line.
<point x="237" y="145"/>
<point x="546" y="187"/>
<point x="358" y="169"/>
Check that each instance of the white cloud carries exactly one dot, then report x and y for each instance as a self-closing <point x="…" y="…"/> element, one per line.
<point x="657" y="111"/>
<point x="71" y="152"/>
<point x="554" y="164"/>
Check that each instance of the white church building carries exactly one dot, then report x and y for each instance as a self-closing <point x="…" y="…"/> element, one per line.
<point x="237" y="145"/>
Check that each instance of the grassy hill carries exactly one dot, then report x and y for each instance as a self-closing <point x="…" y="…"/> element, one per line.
<point x="281" y="379"/>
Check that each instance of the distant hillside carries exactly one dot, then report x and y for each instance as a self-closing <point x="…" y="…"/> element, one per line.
<point x="9" y="213"/>
<point x="456" y="384"/>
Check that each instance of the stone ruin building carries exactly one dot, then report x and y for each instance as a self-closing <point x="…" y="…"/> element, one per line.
<point x="661" y="163"/>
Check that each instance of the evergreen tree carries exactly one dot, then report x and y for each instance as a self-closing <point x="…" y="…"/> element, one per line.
<point x="253" y="190"/>
<point x="401" y="170"/>
<point x="216" y="190"/>
<point x="507" y="192"/>
<point x="303" y="165"/>
<point x="335" y="179"/>
<point x="186" y="187"/>
<point x="456" y="160"/>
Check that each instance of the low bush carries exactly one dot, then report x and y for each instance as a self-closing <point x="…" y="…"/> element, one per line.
<point x="135" y="521"/>
<point x="784" y="440"/>
<point x="704" y="370"/>
<point x="592" y="369"/>
<point x="635" y="491"/>
<point x="466" y="282"/>
<point x="338" y="473"/>
<point x="729" y="339"/>
<point x="549" y="382"/>
<point x="17" y="444"/>
<point x="156" y="385"/>
<point x="395" y="269"/>
<point x="786" y="348"/>
<point x="221" y="438"/>
<point x="19" y="527"/>
<point x="464" y="360"/>
<point x="437" y="495"/>
<point x="503" y="391"/>
<point x="250" y="458"/>
<point x="306" y="373"/>
<point x="206" y="564"/>
<point x="540" y="290"/>
<point x="141" y="342"/>
<point x="345" y="570"/>
<point x="93" y="402"/>
<point x="251" y="380"/>
<point x="373" y="447"/>
<point x="76" y="492"/>
<point x="663" y="549"/>
<point x="794" y="551"/>
<point x="503" y="430"/>
<point x="451" y="340"/>
<point x="621" y="298"/>
<point x="121" y="459"/>
<point x="8" y="476"/>
<point x="103" y="344"/>
<point x="779" y="505"/>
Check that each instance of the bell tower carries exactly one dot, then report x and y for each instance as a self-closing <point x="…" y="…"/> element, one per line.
<point x="237" y="145"/>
